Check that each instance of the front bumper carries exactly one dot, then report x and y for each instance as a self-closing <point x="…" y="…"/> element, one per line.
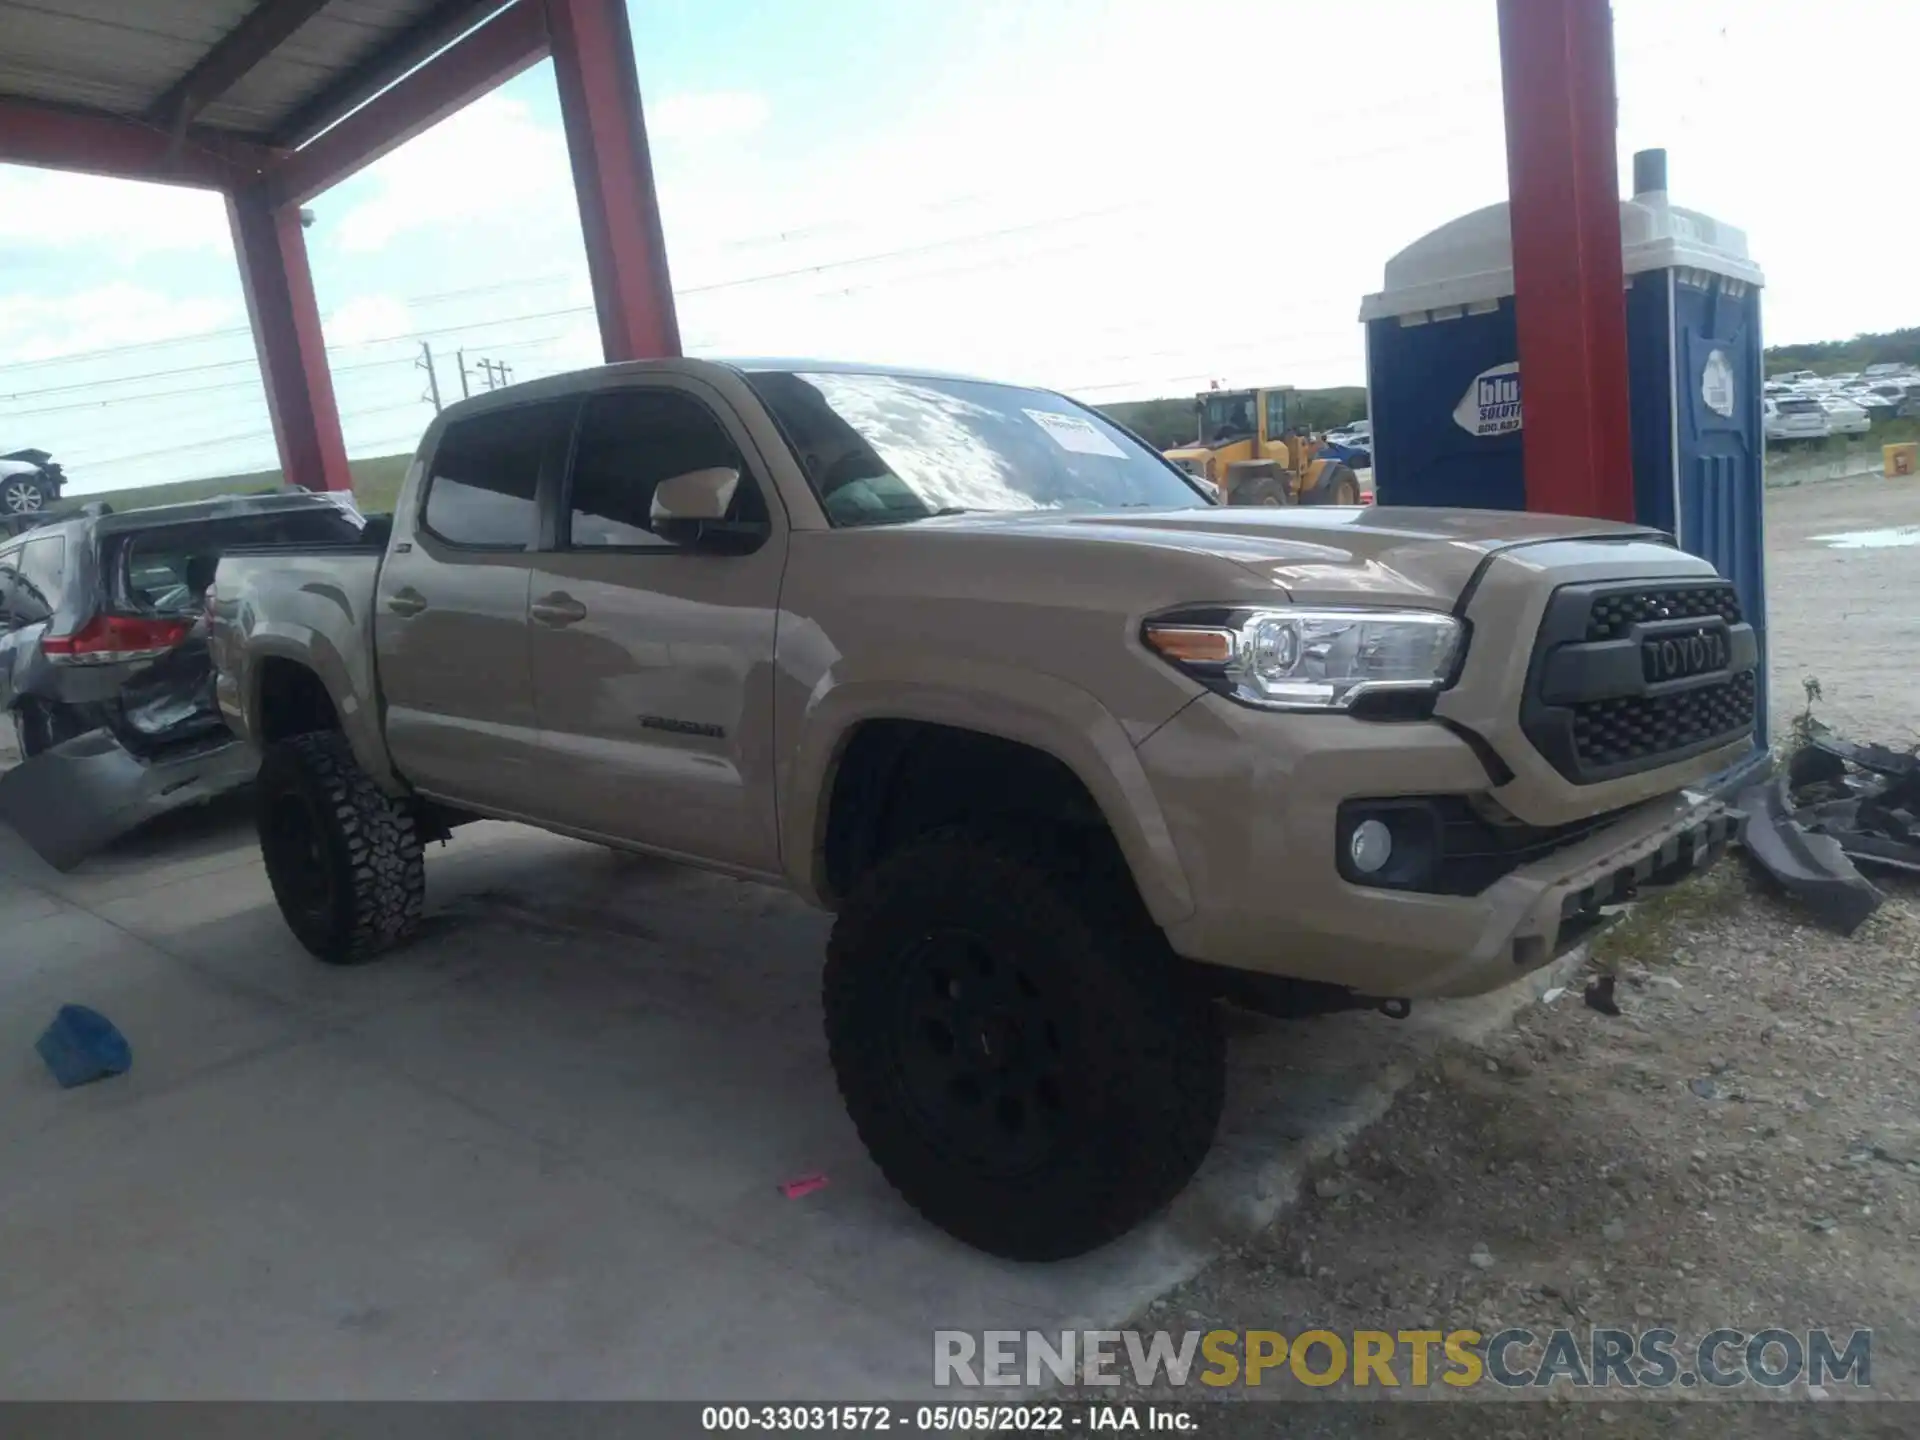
<point x="71" y="800"/>
<point x="1252" y="801"/>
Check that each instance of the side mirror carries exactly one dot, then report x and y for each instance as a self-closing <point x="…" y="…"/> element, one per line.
<point x="697" y="496"/>
<point x="691" y="510"/>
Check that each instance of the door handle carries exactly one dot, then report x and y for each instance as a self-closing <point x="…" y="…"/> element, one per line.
<point x="406" y="601"/>
<point x="557" y="609"/>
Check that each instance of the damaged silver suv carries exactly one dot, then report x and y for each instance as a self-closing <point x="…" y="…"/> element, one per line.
<point x="103" y="662"/>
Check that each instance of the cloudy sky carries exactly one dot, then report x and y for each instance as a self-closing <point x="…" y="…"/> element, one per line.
<point x="1119" y="198"/>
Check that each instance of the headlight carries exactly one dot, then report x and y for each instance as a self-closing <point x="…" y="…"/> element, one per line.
<point x="1299" y="658"/>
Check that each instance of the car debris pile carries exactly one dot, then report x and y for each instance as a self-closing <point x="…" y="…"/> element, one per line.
<point x="1834" y="807"/>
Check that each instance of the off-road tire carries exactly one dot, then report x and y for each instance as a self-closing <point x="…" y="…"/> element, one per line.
<point x="1337" y="486"/>
<point x="1261" y="490"/>
<point x="1139" y="1052"/>
<point x="357" y="890"/>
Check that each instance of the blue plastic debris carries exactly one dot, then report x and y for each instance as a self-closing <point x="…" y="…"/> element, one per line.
<point x="82" y="1046"/>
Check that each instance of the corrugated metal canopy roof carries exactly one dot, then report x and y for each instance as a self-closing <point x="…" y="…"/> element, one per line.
<point x="270" y="71"/>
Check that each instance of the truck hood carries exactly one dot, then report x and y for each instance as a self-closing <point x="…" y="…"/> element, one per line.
<point x="1319" y="553"/>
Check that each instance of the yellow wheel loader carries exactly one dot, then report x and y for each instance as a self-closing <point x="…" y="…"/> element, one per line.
<point x="1251" y="450"/>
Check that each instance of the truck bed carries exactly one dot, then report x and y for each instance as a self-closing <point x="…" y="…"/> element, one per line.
<point x="316" y="602"/>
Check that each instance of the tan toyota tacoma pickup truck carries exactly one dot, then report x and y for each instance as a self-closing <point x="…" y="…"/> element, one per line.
<point x="1071" y="751"/>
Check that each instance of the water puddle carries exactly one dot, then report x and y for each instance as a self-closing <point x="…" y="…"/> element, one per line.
<point x="1872" y="539"/>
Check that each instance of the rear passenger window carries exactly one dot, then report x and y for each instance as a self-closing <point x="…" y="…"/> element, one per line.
<point x="631" y="440"/>
<point x="486" y="473"/>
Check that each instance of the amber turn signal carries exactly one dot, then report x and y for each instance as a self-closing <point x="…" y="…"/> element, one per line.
<point x="1191" y="644"/>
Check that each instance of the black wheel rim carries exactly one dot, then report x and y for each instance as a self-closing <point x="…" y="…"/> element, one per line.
<point x="982" y="1053"/>
<point x="297" y="855"/>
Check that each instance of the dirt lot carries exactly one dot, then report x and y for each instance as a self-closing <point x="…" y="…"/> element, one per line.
<point x="1740" y="1147"/>
<point x="1846" y="613"/>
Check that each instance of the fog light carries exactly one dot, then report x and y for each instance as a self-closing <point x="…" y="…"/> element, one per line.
<point x="1370" y="846"/>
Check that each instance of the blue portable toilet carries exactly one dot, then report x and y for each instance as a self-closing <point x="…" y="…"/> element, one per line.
<point x="1444" y="383"/>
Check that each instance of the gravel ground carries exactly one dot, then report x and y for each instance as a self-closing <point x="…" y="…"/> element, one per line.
<point x="1848" y="617"/>
<point x="1739" y="1148"/>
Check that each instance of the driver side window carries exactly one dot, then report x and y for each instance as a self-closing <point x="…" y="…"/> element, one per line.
<point x="631" y="440"/>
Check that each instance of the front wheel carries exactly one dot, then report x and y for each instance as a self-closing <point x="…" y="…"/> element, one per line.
<point x="22" y="495"/>
<point x="1017" y="1046"/>
<point x="342" y="856"/>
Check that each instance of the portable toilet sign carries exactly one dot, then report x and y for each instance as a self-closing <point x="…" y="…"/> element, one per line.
<point x="1717" y="386"/>
<point x="1445" y="390"/>
<point x="1492" y="405"/>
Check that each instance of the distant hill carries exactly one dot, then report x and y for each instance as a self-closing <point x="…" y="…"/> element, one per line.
<point x="1167" y="423"/>
<point x="1826" y="357"/>
<point x="376" y="485"/>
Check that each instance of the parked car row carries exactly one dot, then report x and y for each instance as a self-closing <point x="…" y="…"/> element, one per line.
<point x="1800" y="405"/>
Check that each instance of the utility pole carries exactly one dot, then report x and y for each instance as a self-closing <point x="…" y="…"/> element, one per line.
<point x="433" y="381"/>
<point x="496" y="373"/>
<point x="460" y="358"/>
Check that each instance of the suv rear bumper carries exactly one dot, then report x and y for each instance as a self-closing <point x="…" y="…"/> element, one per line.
<point x="1252" y="801"/>
<point x="69" y="801"/>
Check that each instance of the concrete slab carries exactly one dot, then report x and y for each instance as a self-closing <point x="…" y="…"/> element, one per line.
<point x="309" y="1224"/>
<point x="536" y="1154"/>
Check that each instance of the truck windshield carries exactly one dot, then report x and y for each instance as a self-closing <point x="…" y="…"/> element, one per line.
<point x="882" y="449"/>
<point x="1226" y="415"/>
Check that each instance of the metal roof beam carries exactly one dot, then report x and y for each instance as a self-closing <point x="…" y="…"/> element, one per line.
<point x="433" y="32"/>
<point x="264" y="29"/>
<point x="95" y="143"/>
<point x="464" y="71"/>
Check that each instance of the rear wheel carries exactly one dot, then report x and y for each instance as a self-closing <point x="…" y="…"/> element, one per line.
<point x="1017" y="1045"/>
<point x="342" y="856"/>
<point x="1336" y="485"/>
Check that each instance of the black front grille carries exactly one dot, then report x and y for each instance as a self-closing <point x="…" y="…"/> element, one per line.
<point x="1595" y="709"/>
<point x="1475" y="850"/>
<point x="1612" y="617"/>
<point x="1641" y="727"/>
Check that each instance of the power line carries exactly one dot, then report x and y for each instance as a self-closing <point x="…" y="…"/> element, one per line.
<point x="250" y="437"/>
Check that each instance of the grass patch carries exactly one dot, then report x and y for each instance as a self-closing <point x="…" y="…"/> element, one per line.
<point x="376" y="485"/>
<point x="1649" y="931"/>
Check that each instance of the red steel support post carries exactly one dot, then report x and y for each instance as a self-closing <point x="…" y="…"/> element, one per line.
<point x="286" y="332"/>
<point x="1556" y="63"/>
<point x="613" y="175"/>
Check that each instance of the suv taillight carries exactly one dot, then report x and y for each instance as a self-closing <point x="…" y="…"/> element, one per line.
<point x="115" y="639"/>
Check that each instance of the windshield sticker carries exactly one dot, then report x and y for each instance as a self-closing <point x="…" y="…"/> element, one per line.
<point x="1071" y="432"/>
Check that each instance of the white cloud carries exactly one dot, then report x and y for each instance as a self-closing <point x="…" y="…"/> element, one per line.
<point x="713" y="115"/>
<point x="368" y="317"/>
<point x="44" y="326"/>
<point x="491" y="162"/>
<point x="126" y="218"/>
